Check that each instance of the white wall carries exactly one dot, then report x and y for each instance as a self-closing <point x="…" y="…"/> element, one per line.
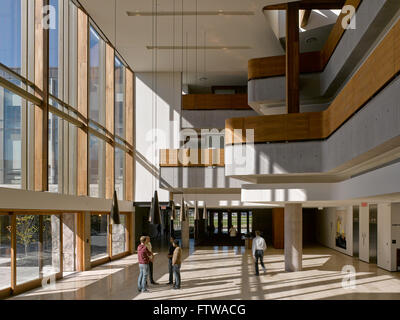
<point x="326" y="228"/>
<point x="364" y="234"/>
<point x="158" y="110"/>
<point x="384" y="236"/>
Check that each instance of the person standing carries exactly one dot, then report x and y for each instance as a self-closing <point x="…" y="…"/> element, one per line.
<point x="144" y="258"/>
<point x="150" y="248"/>
<point x="176" y="263"/>
<point x="171" y="250"/>
<point x="233" y="232"/>
<point x="258" y="248"/>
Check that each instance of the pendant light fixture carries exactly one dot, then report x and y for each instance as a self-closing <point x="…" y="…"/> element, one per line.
<point x="155" y="213"/>
<point x="115" y="210"/>
<point x="196" y="210"/>
<point x="182" y="215"/>
<point x="173" y="210"/>
<point x="204" y="216"/>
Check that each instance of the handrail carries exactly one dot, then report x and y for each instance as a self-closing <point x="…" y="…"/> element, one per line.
<point x="310" y="62"/>
<point x="372" y="76"/>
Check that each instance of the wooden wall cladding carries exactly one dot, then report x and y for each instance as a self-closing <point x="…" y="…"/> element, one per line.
<point x="309" y="62"/>
<point x="192" y="158"/>
<point x="278" y="228"/>
<point x="129" y="136"/>
<point x="215" y="102"/>
<point x="372" y="76"/>
<point x="82" y="151"/>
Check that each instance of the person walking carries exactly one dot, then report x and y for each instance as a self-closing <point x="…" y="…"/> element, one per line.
<point x="258" y="248"/>
<point x="144" y="258"/>
<point x="150" y="248"/>
<point x="176" y="263"/>
<point x="171" y="250"/>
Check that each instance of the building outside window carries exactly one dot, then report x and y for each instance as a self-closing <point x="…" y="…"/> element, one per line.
<point x="99" y="236"/>
<point x="5" y="252"/>
<point x="10" y="104"/>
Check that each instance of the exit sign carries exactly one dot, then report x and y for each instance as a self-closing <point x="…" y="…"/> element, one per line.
<point x="364" y="204"/>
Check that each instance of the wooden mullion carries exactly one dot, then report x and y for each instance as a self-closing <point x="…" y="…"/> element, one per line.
<point x="41" y="112"/>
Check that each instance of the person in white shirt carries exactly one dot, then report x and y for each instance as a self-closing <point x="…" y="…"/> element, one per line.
<point x="233" y="232"/>
<point x="258" y="248"/>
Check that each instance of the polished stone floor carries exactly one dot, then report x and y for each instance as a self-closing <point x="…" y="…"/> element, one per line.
<point x="228" y="273"/>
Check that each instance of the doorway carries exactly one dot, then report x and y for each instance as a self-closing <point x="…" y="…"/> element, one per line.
<point x="398" y="259"/>
<point x="356" y="231"/>
<point x="373" y="233"/>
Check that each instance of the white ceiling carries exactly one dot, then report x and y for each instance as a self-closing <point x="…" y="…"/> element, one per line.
<point x="229" y="67"/>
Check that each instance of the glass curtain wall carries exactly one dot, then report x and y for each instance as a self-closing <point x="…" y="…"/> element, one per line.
<point x="119" y="116"/>
<point x="96" y="113"/>
<point x="99" y="236"/>
<point x="55" y="89"/>
<point x="119" y="172"/>
<point x="11" y="107"/>
<point x="38" y="246"/>
<point x="5" y="252"/>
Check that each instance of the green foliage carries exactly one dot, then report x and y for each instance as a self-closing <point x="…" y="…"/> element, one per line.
<point x="27" y="229"/>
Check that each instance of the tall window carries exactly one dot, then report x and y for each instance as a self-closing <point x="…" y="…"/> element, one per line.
<point x="10" y="35"/>
<point x="10" y="139"/>
<point x="99" y="236"/>
<point x="119" y="116"/>
<point x="10" y="104"/>
<point x="119" y="98"/>
<point x="96" y="77"/>
<point x="96" y="166"/>
<point x="216" y="222"/>
<point x="96" y="113"/>
<point x="5" y="252"/>
<point x="244" y="222"/>
<point x="55" y="123"/>
<point x="234" y="219"/>
<point x="225" y="222"/>
<point x="119" y="172"/>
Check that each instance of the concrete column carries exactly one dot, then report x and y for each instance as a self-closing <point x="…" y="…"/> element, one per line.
<point x="293" y="237"/>
<point x="55" y="242"/>
<point x="185" y="233"/>
<point x="69" y="242"/>
<point x="384" y="236"/>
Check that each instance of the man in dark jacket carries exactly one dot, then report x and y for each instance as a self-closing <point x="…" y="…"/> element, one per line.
<point x="171" y="250"/>
<point x="144" y="256"/>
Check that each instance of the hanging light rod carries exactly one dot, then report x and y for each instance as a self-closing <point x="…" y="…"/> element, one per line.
<point x="198" y="47"/>
<point x="190" y="13"/>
